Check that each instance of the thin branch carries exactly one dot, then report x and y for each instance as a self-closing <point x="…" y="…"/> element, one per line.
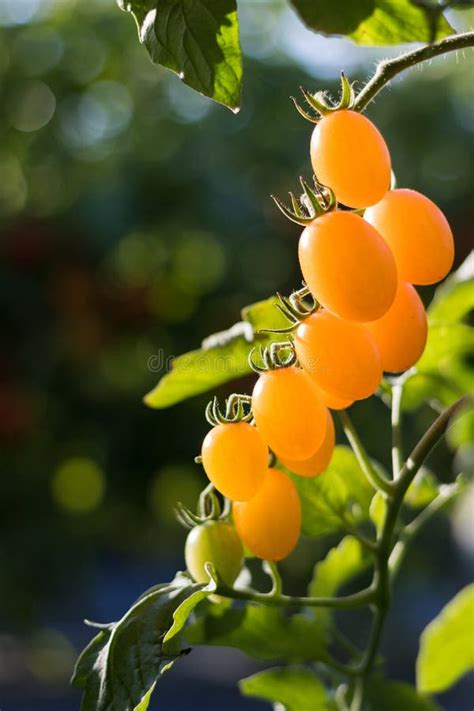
<point x="397" y="455"/>
<point x="447" y="493"/>
<point x="389" y="68"/>
<point x="359" y="599"/>
<point x="372" y="475"/>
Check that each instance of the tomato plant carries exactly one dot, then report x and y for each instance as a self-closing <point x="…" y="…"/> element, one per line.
<point x="271" y="458"/>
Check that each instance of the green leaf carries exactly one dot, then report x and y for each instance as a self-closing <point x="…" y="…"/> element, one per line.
<point x="423" y="489"/>
<point x="341" y="565"/>
<point x="223" y="357"/>
<point x="196" y="39"/>
<point x="378" y="509"/>
<point x="445" y="370"/>
<point x="296" y="688"/>
<point x="118" y="670"/>
<point x="446" y="645"/>
<point x="341" y="493"/>
<point x="396" y="695"/>
<point x="261" y="632"/>
<point x="370" y="22"/>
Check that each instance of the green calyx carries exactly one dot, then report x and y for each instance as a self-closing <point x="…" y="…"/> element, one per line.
<point x="322" y="105"/>
<point x="209" y="509"/>
<point x="312" y="203"/>
<point x="280" y="354"/>
<point x="238" y="408"/>
<point x="296" y="308"/>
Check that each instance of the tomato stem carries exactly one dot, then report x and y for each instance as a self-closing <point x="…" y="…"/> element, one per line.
<point x="388" y="69"/>
<point x="375" y="478"/>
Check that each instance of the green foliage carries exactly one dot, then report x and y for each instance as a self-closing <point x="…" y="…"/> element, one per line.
<point x="341" y="565"/>
<point x="423" y="489"/>
<point x="446" y="645"/>
<point x="370" y="22"/>
<point x="261" y="632"/>
<point x="196" y="39"/>
<point x="224" y="357"/>
<point x="296" y="688"/>
<point x="444" y="370"/>
<point x="378" y="509"/>
<point x="341" y="495"/>
<point x="119" y="668"/>
<point x="396" y="695"/>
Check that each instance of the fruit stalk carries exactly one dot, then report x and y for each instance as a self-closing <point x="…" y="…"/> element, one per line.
<point x="389" y="68"/>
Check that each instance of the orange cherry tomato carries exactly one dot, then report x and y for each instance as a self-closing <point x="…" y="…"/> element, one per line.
<point x="333" y="401"/>
<point x="341" y="356"/>
<point x="319" y="461"/>
<point x="270" y="523"/>
<point x="288" y="412"/>
<point x="401" y="333"/>
<point x="348" y="268"/>
<point x="235" y="458"/>
<point x="349" y="155"/>
<point x="418" y="234"/>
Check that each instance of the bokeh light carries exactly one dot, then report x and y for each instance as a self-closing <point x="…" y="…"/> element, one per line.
<point x="78" y="485"/>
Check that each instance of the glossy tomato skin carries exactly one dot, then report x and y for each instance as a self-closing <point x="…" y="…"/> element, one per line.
<point x="215" y="542"/>
<point x="418" y="234"/>
<point x="270" y="523"/>
<point x="348" y="268"/>
<point x="333" y="402"/>
<point x="288" y="412"/>
<point x="349" y="155"/>
<point x="402" y="332"/>
<point x="235" y="458"/>
<point x="319" y="461"/>
<point x="341" y="356"/>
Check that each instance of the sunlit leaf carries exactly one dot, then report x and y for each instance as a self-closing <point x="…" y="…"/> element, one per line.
<point x="341" y="565"/>
<point x="196" y="39"/>
<point x="224" y="357"/>
<point x="446" y="645"/>
<point x="342" y="492"/>
<point x="423" y="489"/>
<point x="396" y="695"/>
<point x="444" y="372"/>
<point x="378" y="509"/>
<point x="370" y="22"/>
<point x="261" y="632"/>
<point x="118" y="670"/>
<point x="296" y="688"/>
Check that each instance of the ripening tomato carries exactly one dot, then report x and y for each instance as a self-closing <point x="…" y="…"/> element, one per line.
<point x="401" y="333"/>
<point x="319" y="461"/>
<point x="348" y="268"/>
<point x="235" y="458"/>
<point x="215" y="542"/>
<point x="332" y="401"/>
<point x="349" y="155"/>
<point x="270" y="523"/>
<point x="288" y="412"/>
<point x="341" y="356"/>
<point x="418" y="234"/>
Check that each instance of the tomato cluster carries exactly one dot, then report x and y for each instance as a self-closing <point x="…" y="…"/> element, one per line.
<point x="359" y="263"/>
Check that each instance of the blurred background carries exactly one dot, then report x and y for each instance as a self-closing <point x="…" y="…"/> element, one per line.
<point x="135" y="220"/>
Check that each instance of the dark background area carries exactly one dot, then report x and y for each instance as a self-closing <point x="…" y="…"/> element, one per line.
<point x="136" y="220"/>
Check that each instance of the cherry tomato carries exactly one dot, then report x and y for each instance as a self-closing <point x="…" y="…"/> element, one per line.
<point x="319" y="461"/>
<point x="348" y="268"/>
<point x="349" y="155"/>
<point x="341" y="356"/>
<point x="401" y="333"/>
<point x="215" y="542"/>
<point x="332" y="401"/>
<point x="418" y="234"/>
<point x="288" y="412"/>
<point x="270" y="523"/>
<point x="235" y="458"/>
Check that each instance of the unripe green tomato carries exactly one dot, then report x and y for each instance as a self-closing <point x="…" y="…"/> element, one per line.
<point x="215" y="542"/>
